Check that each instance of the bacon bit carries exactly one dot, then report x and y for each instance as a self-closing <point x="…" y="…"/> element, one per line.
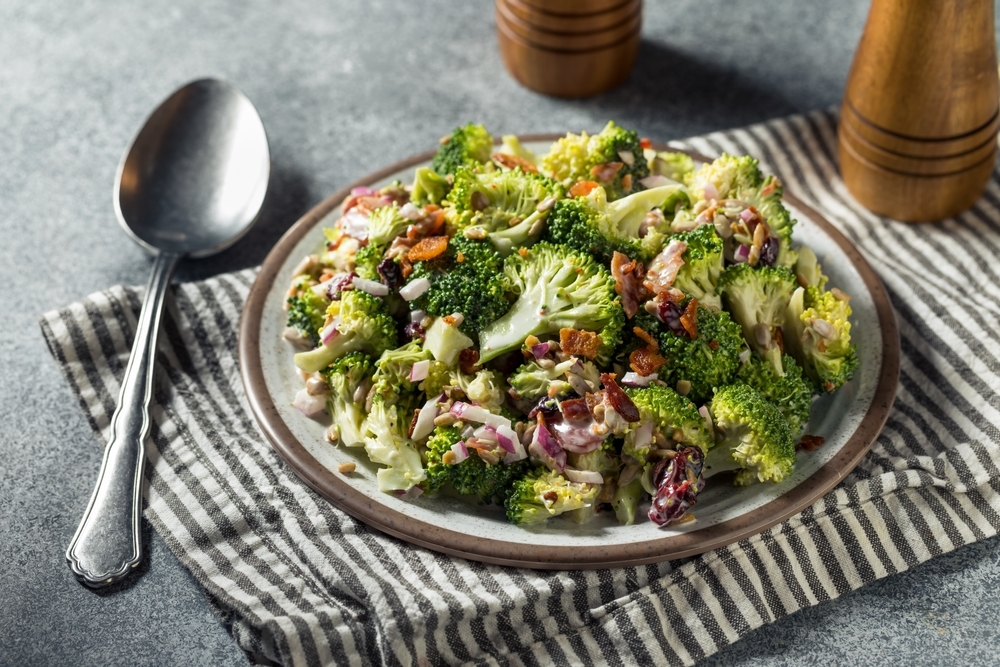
<point x="779" y="340"/>
<point x="606" y="172"/>
<point x="430" y="208"/>
<point x="511" y="161"/>
<point x="821" y="345"/>
<point x="628" y="275"/>
<point x="326" y="275"/>
<point x="645" y="361"/>
<point x="365" y="203"/>
<point x="645" y="143"/>
<point x="468" y="360"/>
<point x="770" y="187"/>
<point x="459" y="258"/>
<point x="651" y="342"/>
<point x="829" y="386"/>
<point x="581" y="343"/>
<point x="575" y="408"/>
<point x="583" y="188"/>
<point x="618" y="399"/>
<point x="662" y="271"/>
<point x="714" y="344"/>
<point x="523" y="252"/>
<point x="809" y="443"/>
<point x="413" y="423"/>
<point x="406" y="266"/>
<point x="689" y="320"/>
<point x="428" y="248"/>
<point x="627" y="182"/>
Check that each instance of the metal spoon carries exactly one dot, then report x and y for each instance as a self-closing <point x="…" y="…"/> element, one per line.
<point x="190" y="185"/>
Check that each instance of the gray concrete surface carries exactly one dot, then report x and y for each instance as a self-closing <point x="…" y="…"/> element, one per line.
<point x="343" y="88"/>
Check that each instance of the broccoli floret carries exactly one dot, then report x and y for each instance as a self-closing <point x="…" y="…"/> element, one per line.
<point x="468" y="145"/>
<point x="531" y="381"/>
<point x="790" y="393"/>
<point x="543" y="493"/>
<point x="675" y="166"/>
<point x="387" y="443"/>
<point x="699" y="275"/>
<point x="604" y="460"/>
<point x="347" y="377"/>
<point x="429" y="187"/>
<point x="367" y="259"/>
<point x="584" y="157"/>
<point x="754" y="436"/>
<point x="484" y="387"/>
<point x="473" y="286"/>
<point x="307" y="313"/>
<point x="593" y="225"/>
<point x="817" y="332"/>
<point x="363" y="324"/>
<point x="757" y="298"/>
<point x="385" y="224"/>
<point x="492" y="200"/>
<point x="672" y="415"/>
<point x="740" y="178"/>
<point x="556" y="288"/>
<point x="472" y="476"/>
<point x="707" y="361"/>
<point x="392" y="372"/>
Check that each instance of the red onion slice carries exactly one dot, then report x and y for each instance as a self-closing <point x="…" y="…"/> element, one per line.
<point x="373" y="287"/>
<point x="425" y="420"/>
<point x="742" y="254"/>
<point x="419" y="370"/>
<point x="711" y="192"/>
<point x="308" y="404"/>
<point x="473" y="413"/>
<point x="583" y="476"/>
<point x="355" y="224"/>
<point x="414" y="289"/>
<point x="549" y="445"/>
<point x="540" y="350"/>
<point x="410" y="212"/>
<point x="746" y="215"/>
<point x="330" y="332"/>
<point x="363" y="190"/>
<point x="461" y="451"/>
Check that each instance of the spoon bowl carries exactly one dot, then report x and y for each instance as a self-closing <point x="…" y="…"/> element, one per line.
<point x="191" y="183"/>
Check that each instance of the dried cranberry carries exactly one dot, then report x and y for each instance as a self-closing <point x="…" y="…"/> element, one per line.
<point x="769" y="251"/>
<point x="678" y="482"/>
<point x="548" y="407"/>
<point x="392" y="274"/>
<point x="670" y="314"/>
<point x="413" y="331"/>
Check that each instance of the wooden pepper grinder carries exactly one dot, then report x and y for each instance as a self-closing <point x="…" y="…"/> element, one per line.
<point x="918" y="125"/>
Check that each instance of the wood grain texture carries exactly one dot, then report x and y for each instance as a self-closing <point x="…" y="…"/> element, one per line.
<point x="918" y="125"/>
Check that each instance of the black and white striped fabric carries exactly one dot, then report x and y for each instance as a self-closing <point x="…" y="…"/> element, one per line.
<point x="305" y="584"/>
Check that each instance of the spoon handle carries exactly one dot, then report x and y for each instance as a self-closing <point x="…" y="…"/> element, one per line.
<point x="106" y="546"/>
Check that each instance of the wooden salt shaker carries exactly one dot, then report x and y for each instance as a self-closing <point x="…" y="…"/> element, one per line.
<point x="918" y="125"/>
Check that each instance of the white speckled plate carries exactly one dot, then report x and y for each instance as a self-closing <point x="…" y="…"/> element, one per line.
<point x="849" y="420"/>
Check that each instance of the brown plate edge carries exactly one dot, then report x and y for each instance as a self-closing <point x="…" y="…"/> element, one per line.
<point x="498" y="552"/>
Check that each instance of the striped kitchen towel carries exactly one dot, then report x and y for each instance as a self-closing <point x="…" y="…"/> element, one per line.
<point x="305" y="584"/>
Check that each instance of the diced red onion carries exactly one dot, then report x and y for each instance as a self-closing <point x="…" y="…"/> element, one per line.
<point x="414" y="492"/>
<point x="496" y="421"/>
<point x="487" y="433"/>
<point x="577" y="367"/>
<point x="540" y="350"/>
<point x="414" y="289"/>
<point x="655" y="181"/>
<point x="643" y="435"/>
<point x="373" y="287"/>
<point x="506" y="433"/>
<point x="330" y="332"/>
<point x="583" y="476"/>
<point x="461" y="451"/>
<point x="505" y="440"/>
<point x="363" y="191"/>
<point x="410" y="212"/>
<point x="355" y="224"/>
<point x="742" y="254"/>
<point x="746" y="215"/>
<point x="711" y="192"/>
<point x="468" y="431"/>
<point x="308" y="404"/>
<point x="425" y="420"/>
<point x="635" y="380"/>
<point x="470" y="413"/>
<point x="419" y="370"/>
<point x="548" y="444"/>
<point x="417" y="315"/>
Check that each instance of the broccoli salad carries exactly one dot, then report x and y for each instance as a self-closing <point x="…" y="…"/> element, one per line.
<point x="586" y="331"/>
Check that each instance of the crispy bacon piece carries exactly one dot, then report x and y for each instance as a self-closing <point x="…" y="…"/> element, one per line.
<point x="429" y="225"/>
<point x="406" y="267"/>
<point x="509" y="161"/>
<point x="365" y="203"/>
<point x="645" y="361"/>
<point x="809" y="442"/>
<point x="580" y="343"/>
<point x="428" y="248"/>
<point x="468" y="361"/>
<point x="575" y="408"/>
<point x="618" y="399"/>
<point x="651" y="342"/>
<point x="662" y="271"/>
<point x="689" y="320"/>
<point x="583" y="188"/>
<point x="606" y="172"/>
<point x="779" y="339"/>
<point x="645" y="143"/>
<point x="628" y="275"/>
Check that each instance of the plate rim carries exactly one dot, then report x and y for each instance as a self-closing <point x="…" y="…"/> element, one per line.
<point x="498" y="552"/>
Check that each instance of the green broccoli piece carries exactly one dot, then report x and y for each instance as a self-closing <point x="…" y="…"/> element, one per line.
<point x="429" y="187"/>
<point x="675" y="166"/>
<point x="385" y="224"/>
<point x="580" y="158"/>
<point x="626" y="501"/>
<point x="388" y="444"/>
<point x="473" y="286"/>
<point x="703" y="264"/>
<point x="740" y="178"/>
<point x="591" y="224"/>
<point x="817" y="332"/>
<point x="604" y="460"/>
<point x="484" y="387"/>
<point x="363" y="324"/>
<point x="672" y="415"/>
<point x="531" y="381"/>
<point x="492" y="200"/>
<point x="472" y="476"/>
<point x="348" y="377"/>
<point x="791" y="393"/>
<point x="392" y="372"/>
<point x="367" y="259"/>
<point x="757" y="299"/>
<point x="707" y="361"/>
<point x="556" y="288"/>
<point x="543" y="493"/>
<point x="307" y="313"/>
<point x="754" y="436"/>
<point x="467" y="145"/>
